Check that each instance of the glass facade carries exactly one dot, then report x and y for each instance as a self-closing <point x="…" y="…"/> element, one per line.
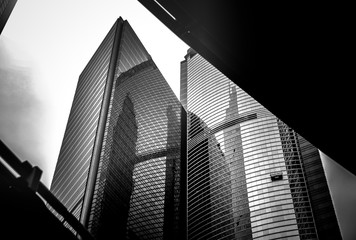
<point x="137" y="175"/>
<point x="247" y="178"/>
<point x="321" y="202"/>
<point x="70" y="176"/>
<point x="139" y="172"/>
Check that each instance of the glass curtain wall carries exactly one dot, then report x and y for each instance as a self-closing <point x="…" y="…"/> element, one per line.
<point x="240" y="183"/>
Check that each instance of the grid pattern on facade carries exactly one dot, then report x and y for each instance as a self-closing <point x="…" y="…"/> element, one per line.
<point x="297" y="182"/>
<point x="137" y="194"/>
<point x="323" y="210"/>
<point x="131" y="51"/>
<point x="249" y="166"/>
<point x="235" y="161"/>
<point x="70" y="175"/>
<point x="216" y="198"/>
<point x="271" y="205"/>
<point x="183" y="84"/>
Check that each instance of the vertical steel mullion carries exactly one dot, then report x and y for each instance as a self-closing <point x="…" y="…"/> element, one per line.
<point x="94" y="163"/>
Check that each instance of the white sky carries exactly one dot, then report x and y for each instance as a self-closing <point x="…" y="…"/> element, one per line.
<point x="53" y="41"/>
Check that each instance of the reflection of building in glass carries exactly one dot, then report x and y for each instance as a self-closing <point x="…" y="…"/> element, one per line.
<point x="212" y="195"/>
<point x="119" y="169"/>
<point x="271" y="179"/>
<point x="234" y="155"/>
<point x="116" y="181"/>
<point x="199" y="167"/>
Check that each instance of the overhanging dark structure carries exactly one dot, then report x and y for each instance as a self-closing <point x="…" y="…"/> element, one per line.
<point x="6" y="7"/>
<point x="291" y="57"/>
<point x="26" y="204"/>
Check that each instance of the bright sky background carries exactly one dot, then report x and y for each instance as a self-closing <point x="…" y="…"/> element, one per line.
<point x="47" y="45"/>
<point x="44" y="47"/>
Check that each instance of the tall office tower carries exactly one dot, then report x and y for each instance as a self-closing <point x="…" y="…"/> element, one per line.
<point x="119" y="167"/>
<point x="250" y="176"/>
<point x="6" y="7"/>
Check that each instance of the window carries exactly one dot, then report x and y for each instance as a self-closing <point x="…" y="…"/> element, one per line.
<point x="276" y="176"/>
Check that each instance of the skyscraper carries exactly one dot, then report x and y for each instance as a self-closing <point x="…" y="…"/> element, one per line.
<point x="119" y="167"/>
<point x="250" y="176"/>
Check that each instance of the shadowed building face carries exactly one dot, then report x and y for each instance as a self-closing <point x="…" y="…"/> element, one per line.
<point x="131" y="166"/>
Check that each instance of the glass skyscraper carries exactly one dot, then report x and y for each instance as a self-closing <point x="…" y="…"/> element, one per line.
<point x="250" y="176"/>
<point x="121" y="168"/>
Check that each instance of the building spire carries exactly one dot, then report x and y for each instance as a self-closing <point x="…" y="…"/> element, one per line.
<point x="232" y="110"/>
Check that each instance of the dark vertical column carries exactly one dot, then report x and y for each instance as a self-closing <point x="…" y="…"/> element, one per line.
<point x="171" y="172"/>
<point x="175" y="218"/>
<point x="184" y="177"/>
<point x="184" y="152"/>
<point x="89" y="191"/>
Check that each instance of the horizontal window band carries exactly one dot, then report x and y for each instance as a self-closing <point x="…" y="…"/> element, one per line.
<point x="207" y="133"/>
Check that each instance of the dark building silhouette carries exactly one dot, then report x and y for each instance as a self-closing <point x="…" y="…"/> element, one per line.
<point x="111" y="212"/>
<point x="198" y="171"/>
<point x="174" y="198"/>
<point x="250" y="176"/>
<point x="6" y="7"/>
<point x="121" y="167"/>
<point x="24" y="214"/>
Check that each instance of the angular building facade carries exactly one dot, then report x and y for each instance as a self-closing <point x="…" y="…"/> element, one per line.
<point x="121" y="168"/>
<point x="250" y="176"/>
